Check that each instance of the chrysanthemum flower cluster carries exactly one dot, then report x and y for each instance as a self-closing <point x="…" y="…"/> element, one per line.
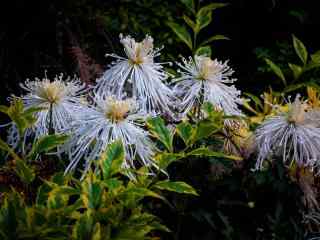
<point x="135" y="87"/>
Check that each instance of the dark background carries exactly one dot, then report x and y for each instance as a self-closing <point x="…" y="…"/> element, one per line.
<point x="39" y="35"/>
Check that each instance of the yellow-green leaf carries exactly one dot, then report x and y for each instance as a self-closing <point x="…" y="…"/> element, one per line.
<point x="140" y="192"/>
<point x="204" y="19"/>
<point x="25" y="172"/>
<point x="276" y="70"/>
<point x="111" y="161"/>
<point x="178" y="187"/>
<point x="186" y="132"/>
<point x="190" y="23"/>
<point x="300" y="49"/>
<point x="46" y="143"/>
<point x="159" y="130"/>
<point x="296" y="70"/>
<point x="164" y="159"/>
<point x="205" y="50"/>
<point x="209" y="8"/>
<point x="189" y="4"/>
<point x="182" y="33"/>
<point x="204" y="151"/>
<point x="214" y="38"/>
<point x="5" y="147"/>
<point x="315" y="57"/>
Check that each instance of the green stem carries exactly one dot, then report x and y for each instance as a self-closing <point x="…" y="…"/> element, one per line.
<point x="51" y="130"/>
<point x="194" y="47"/>
<point x="201" y="100"/>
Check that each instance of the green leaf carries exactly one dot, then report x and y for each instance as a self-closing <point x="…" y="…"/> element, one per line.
<point x="4" y="109"/>
<point x="186" y="132"/>
<point x="214" y="38"/>
<point x="296" y="70"/>
<point x="72" y="209"/>
<point x="58" y="178"/>
<point x="160" y="227"/>
<point x="210" y="8"/>
<point x="159" y="130"/>
<point x="111" y="161"/>
<point x="25" y="172"/>
<point x="316" y="57"/>
<point x="205" y="50"/>
<point x="15" y="112"/>
<point x="113" y="183"/>
<point x="206" y="128"/>
<point x="182" y="33"/>
<point x="300" y="49"/>
<point x="276" y="70"/>
<point x="28" y="114"/>
<point x="46" y="143"/>
<point x="5" y="147"/>
<point x="311" y="65"/>
<point x="204" y="151"/>
<point x="254" y="98"/>
<point x="189" y="4"/>
<point x="133" y="232"/>
<point x="165" y="159"/>
<point x="42" y="194"/>
<point x="178" y="187"/>
<point x="11" y="212"/>
<point x="96" y="233"/>
<point x="190" y="23"/>
<point x="66" y="190"/>
<point x="209" y="109"/>
<point x="294" y="87"/>
<point x="204" y="18"/>
<point x="92" y="194"/>
<point x="83" y="228"/>
<point x="140" y="192"/>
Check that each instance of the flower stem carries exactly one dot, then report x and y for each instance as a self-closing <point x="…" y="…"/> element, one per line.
<point x="201" y="100"/>
<point x="51" y="131"/>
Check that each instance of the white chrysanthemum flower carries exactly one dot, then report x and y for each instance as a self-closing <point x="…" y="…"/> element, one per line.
<point x="139" y="76"/>
<point x="59" y="100"/>
<point x="109" y="119"/>
<point x="205" y="80"/>
<point x="291" y="135"/>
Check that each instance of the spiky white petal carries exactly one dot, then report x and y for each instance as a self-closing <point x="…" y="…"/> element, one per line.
<point x="139" y="76"/>
<point x="63" y="97"/>
<point x="202" y="75"/>
<point x="107" y="120"/>
<point x="291" y="135"/>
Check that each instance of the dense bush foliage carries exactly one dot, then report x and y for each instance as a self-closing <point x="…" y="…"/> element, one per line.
<point x="177" y="163"/>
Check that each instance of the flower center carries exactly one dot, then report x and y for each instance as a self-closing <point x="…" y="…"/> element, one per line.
<point x="297" y="113"/>
<point x="138" y="52"/>
<point x="207" y="68"/>
<point x="138" y="55"/>
<point x="117" y="110"/>
<point x="51" y="91"/>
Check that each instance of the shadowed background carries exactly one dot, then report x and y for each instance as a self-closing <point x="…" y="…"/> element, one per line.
<point x="73" y="36"/>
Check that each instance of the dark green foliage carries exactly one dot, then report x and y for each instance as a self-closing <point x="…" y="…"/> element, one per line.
<point x="104" y="205"/>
